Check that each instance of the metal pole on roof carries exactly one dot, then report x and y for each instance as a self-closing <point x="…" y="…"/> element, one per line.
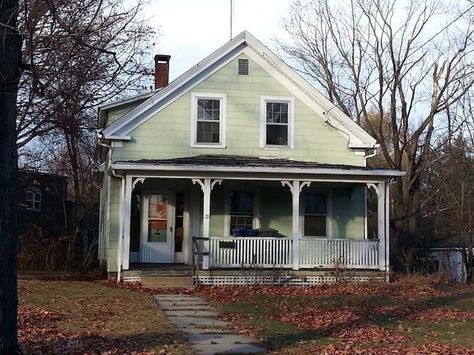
<point x="231" y="16"/>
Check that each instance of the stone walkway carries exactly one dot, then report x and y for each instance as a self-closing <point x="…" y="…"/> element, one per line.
<point x="197" y="321"/>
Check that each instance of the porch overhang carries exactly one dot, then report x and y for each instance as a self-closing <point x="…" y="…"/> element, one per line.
<point x="208" y="171"/>
<point x="248" y="168"/>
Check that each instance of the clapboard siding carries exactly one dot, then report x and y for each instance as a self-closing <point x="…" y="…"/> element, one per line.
<point x="167" y="133"/>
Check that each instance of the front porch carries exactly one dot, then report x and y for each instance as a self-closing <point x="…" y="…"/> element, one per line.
<point x="318" y="218"/>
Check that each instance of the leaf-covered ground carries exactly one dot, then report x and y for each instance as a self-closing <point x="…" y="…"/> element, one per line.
<point x="413" y="316"/>
<point x="405" y="317"/>
<point x="66" y="317"/>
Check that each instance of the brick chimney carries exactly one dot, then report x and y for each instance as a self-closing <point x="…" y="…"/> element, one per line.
<point x="162" y="70"/>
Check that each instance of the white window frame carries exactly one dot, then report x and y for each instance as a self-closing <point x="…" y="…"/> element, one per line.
<point x="328" y="193"/>
<point x="222" y="119"/>
<point x="263" y="121"/>
<point x="256" y="207"/>
<point x="37" y="198"/>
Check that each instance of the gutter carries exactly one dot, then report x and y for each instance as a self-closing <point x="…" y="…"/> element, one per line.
<point x="239" y="169"/>
<point x="371" y="155"/>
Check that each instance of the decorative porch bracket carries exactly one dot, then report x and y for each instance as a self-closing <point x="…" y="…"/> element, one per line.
<point x="136" y="181"/>
<point x="207" y="184"/>
<point x="296" y="186"/>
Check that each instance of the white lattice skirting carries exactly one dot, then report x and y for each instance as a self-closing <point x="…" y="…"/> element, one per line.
<point x="281" y="280"/>
<point x="269" y="280"/>
<point x="131" y="279"/>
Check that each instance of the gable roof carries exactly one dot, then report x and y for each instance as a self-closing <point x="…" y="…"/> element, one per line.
<point x="358" y="138"/>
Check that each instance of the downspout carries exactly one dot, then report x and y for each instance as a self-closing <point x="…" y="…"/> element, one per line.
<point x="387" y="228"/>
<point x="100" y="136"/>
<point x="371" y="155"/>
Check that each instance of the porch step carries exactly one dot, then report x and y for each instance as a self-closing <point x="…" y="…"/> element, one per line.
<point x="167" y="281"/>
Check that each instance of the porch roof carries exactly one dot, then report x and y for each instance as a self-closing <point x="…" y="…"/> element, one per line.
<point x="246" y="164"/>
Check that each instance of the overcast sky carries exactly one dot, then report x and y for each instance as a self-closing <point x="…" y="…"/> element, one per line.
<point x="190" y="30"/>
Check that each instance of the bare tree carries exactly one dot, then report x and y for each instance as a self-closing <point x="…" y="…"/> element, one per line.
<point x="405" y="62"/>
<point x="10" y="62"/>
<point x="449" y="190"/>
<point x="80" y="53"/>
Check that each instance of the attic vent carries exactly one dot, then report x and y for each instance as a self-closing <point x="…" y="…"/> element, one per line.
<point x="243" y="67"/>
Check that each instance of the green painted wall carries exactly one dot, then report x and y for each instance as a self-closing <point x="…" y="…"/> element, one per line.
<point x="115" y="113"/>
<point x="113" y="224"/>
<point x="348" y="215"/>
<point x="167" y="134"/>
<point x="216" y="224"/>
<point x="275" y="209"/>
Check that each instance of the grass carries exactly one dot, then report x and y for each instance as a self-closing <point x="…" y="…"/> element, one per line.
<point x="98" y="317"/>
<point x="90" y="317"/>
<point x="319" y="322"/>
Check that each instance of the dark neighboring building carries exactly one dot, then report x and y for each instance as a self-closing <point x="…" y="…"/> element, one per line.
<point x="42" y="201"/>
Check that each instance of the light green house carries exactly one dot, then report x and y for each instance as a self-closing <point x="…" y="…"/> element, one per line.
<point x="244" y="154"/>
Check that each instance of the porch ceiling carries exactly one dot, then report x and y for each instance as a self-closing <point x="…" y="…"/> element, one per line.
<point x="248" y="167"/>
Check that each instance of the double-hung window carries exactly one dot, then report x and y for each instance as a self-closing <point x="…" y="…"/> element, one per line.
<point x="315" y="214"/>
<point x="241" y="209"/>
<point x="208" y="120"/>
<point x="33" y="198"/>
<point x="276" y="122"/>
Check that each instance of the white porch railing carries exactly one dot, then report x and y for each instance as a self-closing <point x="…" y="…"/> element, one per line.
<point x="244" y="251"/>
<point x="333" y="253"/>
<point x="278" y="252"/>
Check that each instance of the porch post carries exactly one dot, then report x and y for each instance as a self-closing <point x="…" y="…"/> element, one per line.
<point x="206" y="186"/>
<point x="383" y="226"/>
<point x="295" y="187"/>
<point x="387" y="231"/>
<point x="120" y="235"/>
<point x="126" y="223"/>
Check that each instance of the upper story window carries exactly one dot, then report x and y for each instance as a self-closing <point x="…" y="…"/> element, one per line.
<point x="33" y="198"/>
<point x="276" y="122"/>
<point x="208" y="120"/>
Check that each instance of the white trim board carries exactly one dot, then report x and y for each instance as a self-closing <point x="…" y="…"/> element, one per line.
<point x="206" y="168"/>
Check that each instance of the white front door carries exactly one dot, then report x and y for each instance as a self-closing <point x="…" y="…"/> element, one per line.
<point x="157" y="237"/>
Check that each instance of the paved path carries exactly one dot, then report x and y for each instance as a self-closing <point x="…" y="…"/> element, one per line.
<point x="197" y="320"/>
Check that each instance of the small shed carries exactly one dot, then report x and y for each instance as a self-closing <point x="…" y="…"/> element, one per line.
<point x="449" y="261"/>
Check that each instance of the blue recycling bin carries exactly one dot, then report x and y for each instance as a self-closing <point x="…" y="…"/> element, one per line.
<point x="244" y="232"/>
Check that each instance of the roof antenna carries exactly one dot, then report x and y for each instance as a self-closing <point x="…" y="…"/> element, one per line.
<point x="231" y="17"/>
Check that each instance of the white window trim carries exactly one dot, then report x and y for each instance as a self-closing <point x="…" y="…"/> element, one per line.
<point x="329" y="212"/>
<point x="263" y="121"/>
<point x="222" y="119"/>
<point x="256" y="207"/>
<point x="36" y="191"/>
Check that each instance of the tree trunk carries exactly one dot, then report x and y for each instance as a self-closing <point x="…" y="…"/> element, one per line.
<point x="10" y="58"/>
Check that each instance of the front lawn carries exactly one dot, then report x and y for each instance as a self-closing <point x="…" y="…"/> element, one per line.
<point x="57" y="317"/>
<point x="372" y="318"/>
<point x="401" y="318"/>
